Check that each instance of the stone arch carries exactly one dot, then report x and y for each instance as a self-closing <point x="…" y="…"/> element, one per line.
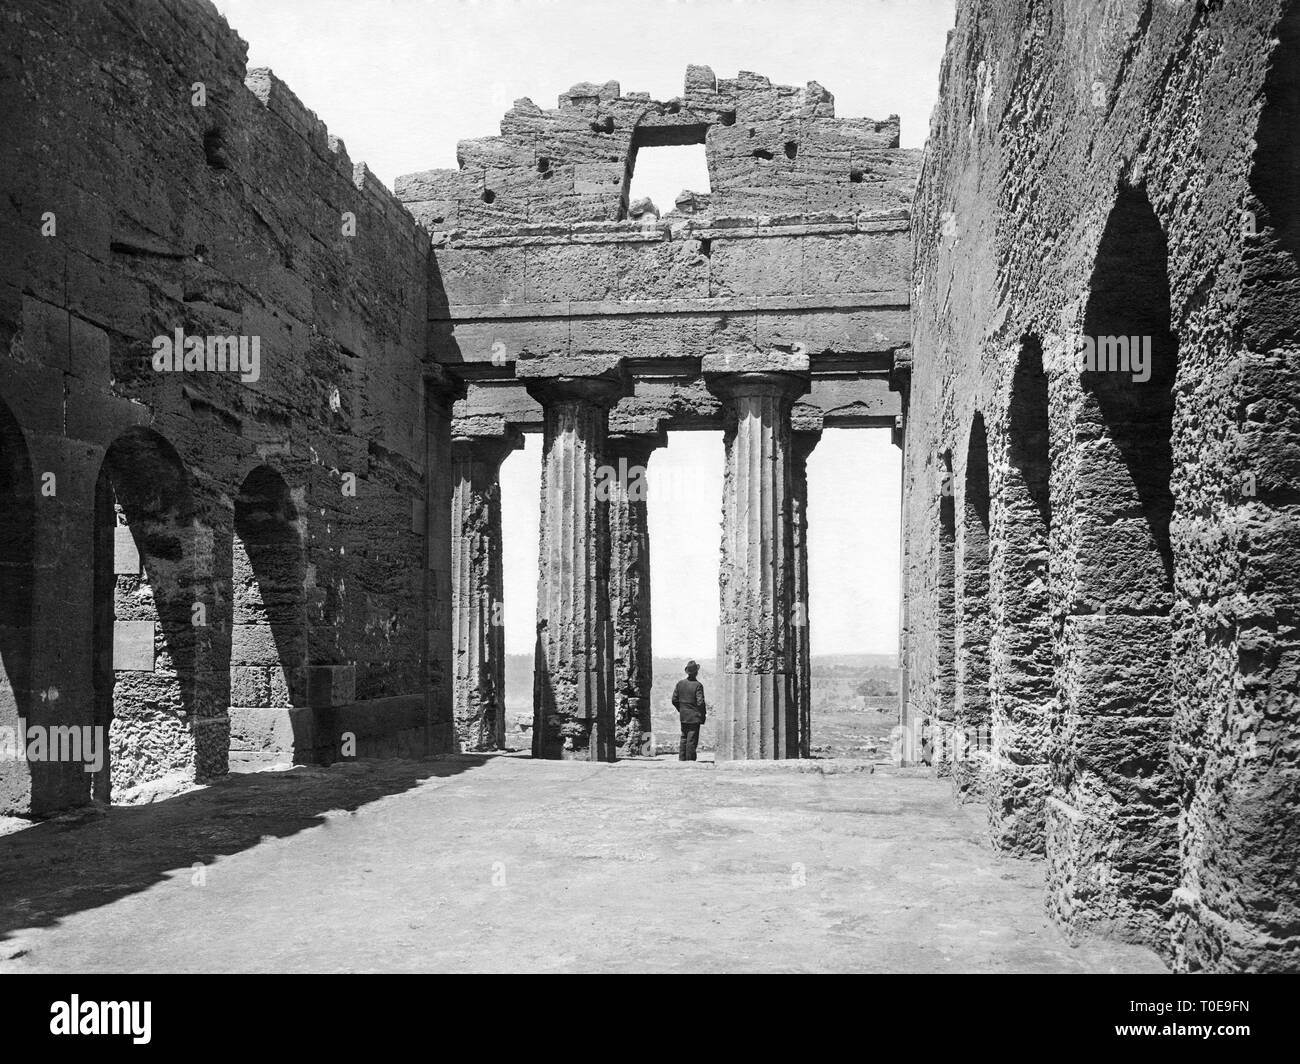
<point x="268" y="643"/>
<point x="146" y="640"/>
<point x="17" y="575"/>
<point x="1275" y="173"/>
<point x="1115" y="860"/>
<point x="972" y="715"/>
<point x="1021" y="644"/>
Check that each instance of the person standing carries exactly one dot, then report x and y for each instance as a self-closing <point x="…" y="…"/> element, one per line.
<point x="688" y="700"/>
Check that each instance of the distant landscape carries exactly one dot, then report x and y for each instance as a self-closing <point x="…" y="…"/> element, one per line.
<point x="855" y="703"/>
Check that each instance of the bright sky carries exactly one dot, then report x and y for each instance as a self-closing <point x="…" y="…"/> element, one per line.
<point x="401" y="81"/>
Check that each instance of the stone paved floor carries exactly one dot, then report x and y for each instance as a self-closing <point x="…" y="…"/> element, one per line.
<point x="504" y="863"/>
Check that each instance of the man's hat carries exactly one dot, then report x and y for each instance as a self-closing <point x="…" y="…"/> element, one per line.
<point x="692" y="665"/>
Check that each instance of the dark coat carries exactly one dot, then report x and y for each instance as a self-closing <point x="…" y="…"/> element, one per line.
<point x="688" y="697"/>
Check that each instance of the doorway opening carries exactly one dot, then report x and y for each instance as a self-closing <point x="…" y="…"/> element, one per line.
<point x="854" y="515"/>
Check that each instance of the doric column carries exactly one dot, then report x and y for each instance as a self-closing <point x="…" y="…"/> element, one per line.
<point x="629" y="588"/>
<point x="807" y="433"/>
<point x="758" y="716"/>
<point x="478" y="635"/>
<point x="573" y="682"/>
<point x="442" y="389"/>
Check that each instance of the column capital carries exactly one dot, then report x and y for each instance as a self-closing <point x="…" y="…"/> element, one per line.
<point x="466" y="444"/>
<point x="597" y="379"/>
<point x="603" y="391"/>
<point x="636" y="446"/>
<point x="442" y="386"/>
<point x="773" y="374"/>
<point x="775" y="384"/>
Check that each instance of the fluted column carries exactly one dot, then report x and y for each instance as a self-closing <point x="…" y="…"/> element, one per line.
<point x="442" y="390"/>
<point x="805" y="437"/>
<point x="629" y="589"/>
<point x="478" y="634"/>
<point x="759" y="714"/>
<point x="573" y="682"/>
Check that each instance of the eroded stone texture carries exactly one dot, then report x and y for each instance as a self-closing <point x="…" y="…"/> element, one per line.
<point x="478" y="630"/>
<point x="573" y="710"/>
<point x="268" y="643"/>
<point x="239" y="218"/>
<point x="758" y="715"/>
<point x="805" y="436"/>
<point x="628" y="457"/>
<point x="771" y="149"/>
<point x="1021" y="647"/>
<point x="971" y="717"/>
<point x="1086" y="175"/>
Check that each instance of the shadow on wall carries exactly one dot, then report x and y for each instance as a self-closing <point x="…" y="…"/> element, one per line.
<point x="17" y="545"/>
<point x="1115" y="870"/>
<point x="148" y="647"/>
<point x="1130" y="300"/>
<point x="268" y="651"/>
<point x="1275" y="178"/>
<point x="973" y="618"/>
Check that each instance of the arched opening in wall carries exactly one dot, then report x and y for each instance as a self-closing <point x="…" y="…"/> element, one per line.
<point x="1128" y="416"/>
<point x="17" y="573"/>
<point x="1022" y="643"/>
<point x="937" y="729"/>
<point x="520" y="485"/>
<point x="972" y="717"/>
<point x="684" y="503"/>
<point x="667" y="164"/>
<point x="1275" y="176"/>
<point x="268" y="638"/>
<point x="853" y="525"/>
<point x="146" y="641"/>
<point x="1116" y="769"/>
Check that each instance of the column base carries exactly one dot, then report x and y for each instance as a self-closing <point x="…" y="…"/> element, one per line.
<point x="574" y="740"/>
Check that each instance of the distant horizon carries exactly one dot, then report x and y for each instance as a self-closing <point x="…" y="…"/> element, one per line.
<point x="854" y="496"/>
<point x="703" y="660"/>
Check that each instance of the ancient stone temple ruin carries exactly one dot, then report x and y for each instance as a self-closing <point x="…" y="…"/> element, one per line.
<point x="771" y="307"/>
<point x="253" y="408"/>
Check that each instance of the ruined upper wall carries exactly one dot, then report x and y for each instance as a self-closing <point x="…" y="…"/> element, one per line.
<point x="771" y="149"/>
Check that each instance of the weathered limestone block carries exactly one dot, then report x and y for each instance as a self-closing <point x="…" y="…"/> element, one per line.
<point x="478" y="635"/>
<point x="770" y="148"/>
<point x="1112" y="819"/>
<point x="573" y="672"/>
<point x="759" y="715"/>
<point x="629" y="588"/>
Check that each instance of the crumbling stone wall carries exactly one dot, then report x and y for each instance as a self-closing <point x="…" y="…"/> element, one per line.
<point x="771" y="149"/>
<point x="1126" y="168"/>
<point x="152" y="183"/>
